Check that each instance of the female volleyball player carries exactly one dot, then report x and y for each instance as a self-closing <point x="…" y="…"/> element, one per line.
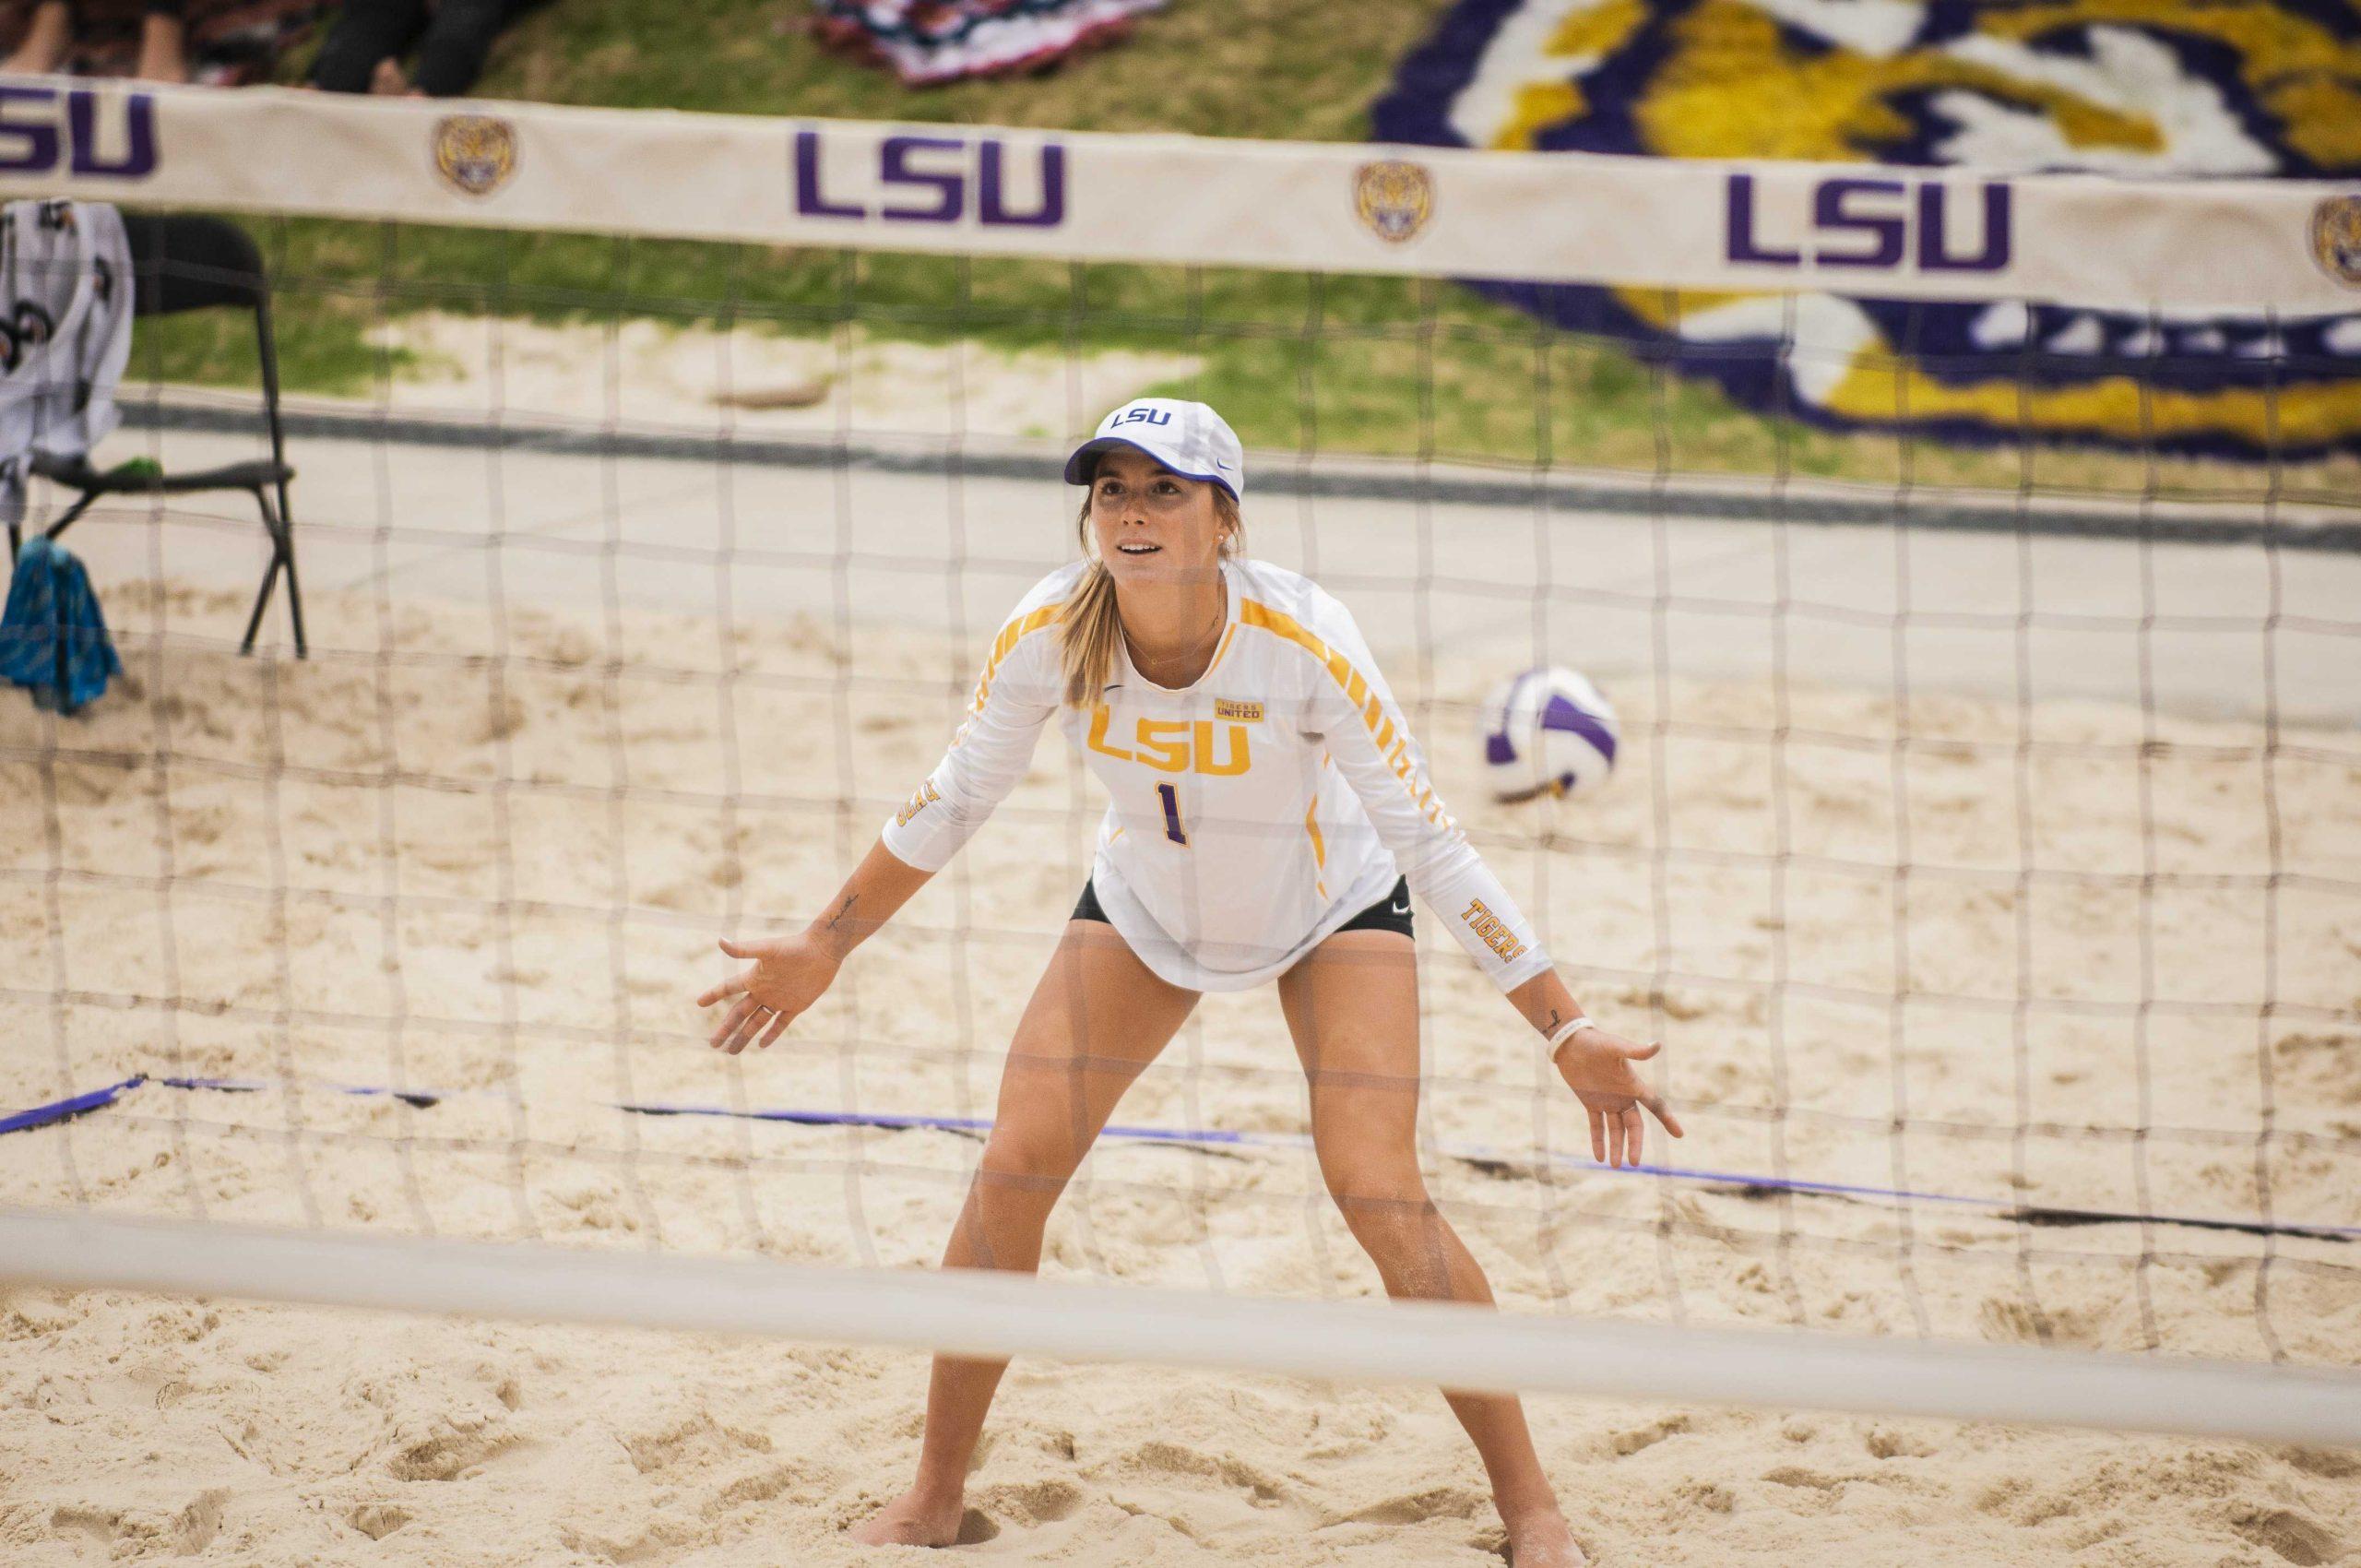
<point x="1269" y="814"/>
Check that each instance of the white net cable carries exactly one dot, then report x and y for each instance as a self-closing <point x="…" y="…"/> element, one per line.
<point x="1980" y="842"/>
<point x="983" y="1314"/>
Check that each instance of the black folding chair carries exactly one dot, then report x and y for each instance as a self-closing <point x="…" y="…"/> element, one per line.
<point x="189" y="261"/>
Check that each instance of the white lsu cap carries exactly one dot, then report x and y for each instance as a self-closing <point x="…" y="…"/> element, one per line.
<point x="1188" y="438"/>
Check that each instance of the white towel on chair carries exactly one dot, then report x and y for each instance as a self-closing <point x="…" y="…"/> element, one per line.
<point x="65" y="296"/>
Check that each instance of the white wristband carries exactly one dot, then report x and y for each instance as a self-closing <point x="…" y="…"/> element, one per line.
<point x="1568" y="1029"/>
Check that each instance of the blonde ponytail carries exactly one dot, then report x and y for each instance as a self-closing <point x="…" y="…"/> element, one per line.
<point x="1088" y="629"/>
<point x="1091" y="624"/>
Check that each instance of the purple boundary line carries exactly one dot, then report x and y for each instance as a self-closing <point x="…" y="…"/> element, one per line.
<point x="1214" y="1139"/>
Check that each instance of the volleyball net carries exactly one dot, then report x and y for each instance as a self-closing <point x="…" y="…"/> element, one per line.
<point x="1981" y="839"/>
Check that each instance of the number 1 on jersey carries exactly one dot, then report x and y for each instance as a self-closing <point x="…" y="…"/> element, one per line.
<point x="1171" y="798"/>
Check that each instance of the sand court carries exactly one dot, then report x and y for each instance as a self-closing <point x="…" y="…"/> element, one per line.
<point x="2024" y="873"/>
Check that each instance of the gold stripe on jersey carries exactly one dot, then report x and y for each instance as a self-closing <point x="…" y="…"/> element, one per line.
<point x="1393" y="741"/>
<point x="1221" y="650"/>
<point x="1319" y="845"/>
<point x="1019" y="627"/>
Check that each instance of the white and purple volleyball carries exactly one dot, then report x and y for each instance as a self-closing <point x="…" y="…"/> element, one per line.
<point x="1547" y="731"/>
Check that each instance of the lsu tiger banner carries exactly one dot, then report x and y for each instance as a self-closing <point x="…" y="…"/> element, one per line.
<point x="2137" y="89"/>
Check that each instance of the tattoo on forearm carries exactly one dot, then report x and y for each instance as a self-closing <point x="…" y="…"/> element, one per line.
<point x="842" y="910"/>
<point x="1551" y="1027"/>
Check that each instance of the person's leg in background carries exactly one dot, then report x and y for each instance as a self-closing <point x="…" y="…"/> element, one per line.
<point x="366" y="35"/>
<point x="457" y="40"/>
<point x="163" y="43"/>
<point x="49" y="40"/>
<point x="49" y="35"/>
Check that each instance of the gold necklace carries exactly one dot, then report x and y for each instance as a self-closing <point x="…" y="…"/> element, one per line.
<point x="1221" y="615"/>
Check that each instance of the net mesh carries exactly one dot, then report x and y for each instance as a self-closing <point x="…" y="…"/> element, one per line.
<point x="1982" y="843"/>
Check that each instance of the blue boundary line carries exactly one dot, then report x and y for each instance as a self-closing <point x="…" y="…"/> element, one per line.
<point x="1745" y="1184"/>
<point x="69" y="1108"/>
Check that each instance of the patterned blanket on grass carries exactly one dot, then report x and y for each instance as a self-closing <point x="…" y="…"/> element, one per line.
<point x="2141" y="87"/>
<point x="938" y="41"/>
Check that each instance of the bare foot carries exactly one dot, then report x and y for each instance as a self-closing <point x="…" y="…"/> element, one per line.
<point x="912" y="1520"/>
<point x="1540" y="1539"/>
<point x="387" y="80"/>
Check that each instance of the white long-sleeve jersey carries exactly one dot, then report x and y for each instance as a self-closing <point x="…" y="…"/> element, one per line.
<point x="1250" y="814"/>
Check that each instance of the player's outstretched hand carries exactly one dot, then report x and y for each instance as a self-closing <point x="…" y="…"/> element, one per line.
<point x="790" y="974"/>
<point x="1598" y="1067"/>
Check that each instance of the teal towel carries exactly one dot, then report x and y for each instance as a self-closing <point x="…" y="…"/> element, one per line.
<point x="53" y="638"/>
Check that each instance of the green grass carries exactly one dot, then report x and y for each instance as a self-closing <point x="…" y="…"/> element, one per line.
<point x="1352" y="363"/>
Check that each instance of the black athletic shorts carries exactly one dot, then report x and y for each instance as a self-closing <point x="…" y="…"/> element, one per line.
<point x="1389" y="913"/>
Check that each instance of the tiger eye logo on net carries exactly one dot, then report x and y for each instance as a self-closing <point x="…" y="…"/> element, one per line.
<point x="2336" y="239"/>
<point x="1394" y="198"/>
<point x="476" y="153"/>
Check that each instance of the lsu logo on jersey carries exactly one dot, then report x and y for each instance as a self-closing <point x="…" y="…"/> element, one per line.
<point x="1174" y="746"/>
<point x="475" y="152"/>
<point x="2234" y="88"/>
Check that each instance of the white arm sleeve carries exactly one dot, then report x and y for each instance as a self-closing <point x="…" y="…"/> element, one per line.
<point x="1353" y="713"/>
<point x="1015" y="695"/>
